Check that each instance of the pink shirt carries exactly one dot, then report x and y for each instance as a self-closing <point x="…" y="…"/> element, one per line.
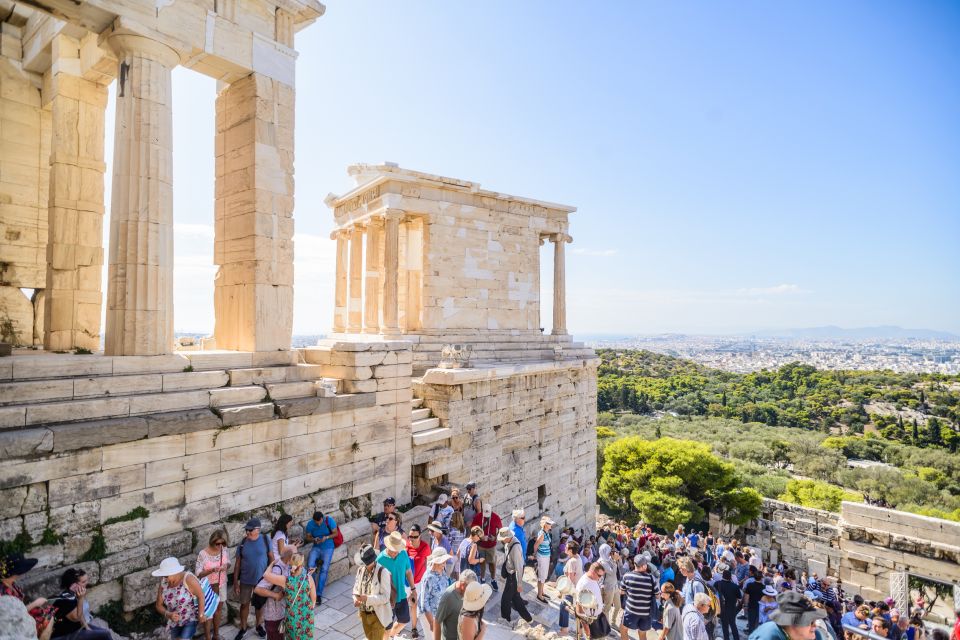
<point x="207" y="561"/>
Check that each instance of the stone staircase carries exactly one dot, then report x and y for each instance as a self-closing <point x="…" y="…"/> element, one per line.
<point x="425" y="429"/>
<point x="42" y="389"/>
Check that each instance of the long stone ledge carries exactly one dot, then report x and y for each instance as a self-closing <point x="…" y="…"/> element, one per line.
<point x="504" y="370"/>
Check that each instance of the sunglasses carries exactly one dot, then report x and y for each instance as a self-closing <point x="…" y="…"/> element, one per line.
<point x="414" y="537"/>
<point x="219" y="543"/>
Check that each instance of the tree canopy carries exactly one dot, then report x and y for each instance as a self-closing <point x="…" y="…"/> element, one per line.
<point x="668" y="482"/>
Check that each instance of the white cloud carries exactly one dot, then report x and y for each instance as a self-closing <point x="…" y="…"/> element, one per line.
<point x="604" y="253"/>
<point x="778" y="290"/>
<point x="184" y="229"/>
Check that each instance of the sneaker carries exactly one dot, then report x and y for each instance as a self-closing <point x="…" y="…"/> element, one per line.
<point x="493" y="583"/>
<point x="261" y="631"/>
<point x="240" y="634"/>
<point x="415" y="634"/>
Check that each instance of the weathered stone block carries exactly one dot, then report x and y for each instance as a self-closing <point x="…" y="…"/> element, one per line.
<point x="81" y="516"/>
<point x="25" y="443"/>
<point x="124" y="535"/>
<point x="175" y="544"/>
<point x="123" y="562"/>
<point x="181" y="422"/>
<point x="295" y="407"/>
<point x="96" y="433"/>
<point x="232" y="416"/>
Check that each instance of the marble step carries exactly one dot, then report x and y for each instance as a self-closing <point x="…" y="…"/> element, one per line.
<point x="431" y="435"/>
<point x="282" y="373"/>
<point x="416" y="403"/>
<point x="420" y="414"/>
<point x="228" y="396"/>
<point x="284" y="390"/>
<point x="112" y="407"/>
<point x="418" y="426"/>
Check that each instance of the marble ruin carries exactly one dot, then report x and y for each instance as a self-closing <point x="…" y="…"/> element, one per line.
<point x="430" y="271"/>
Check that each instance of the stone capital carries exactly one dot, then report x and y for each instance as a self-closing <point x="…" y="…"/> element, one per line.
<point x="394" y="214"/>
<point x="560" y="237"/>
<point x="124" y="44"/>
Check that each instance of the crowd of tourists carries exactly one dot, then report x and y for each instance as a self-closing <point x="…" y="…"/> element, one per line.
<point x="437" y="576"/>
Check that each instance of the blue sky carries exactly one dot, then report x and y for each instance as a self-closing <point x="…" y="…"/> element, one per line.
<point x="737" y="166"/>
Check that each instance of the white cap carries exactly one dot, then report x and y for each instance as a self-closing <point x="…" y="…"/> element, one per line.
<point x="519" y="513"/>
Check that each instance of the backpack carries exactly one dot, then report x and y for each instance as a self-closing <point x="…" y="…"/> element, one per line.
<point x="503" y="568"/>
<point x="393" y="587"/>
<point x="714" y="600"/>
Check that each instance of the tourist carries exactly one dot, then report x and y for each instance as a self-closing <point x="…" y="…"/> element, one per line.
<point x="667" y="572"/>
<point x="544" y="547"/>
<point x="611" y="583"/>
<point x="692" y="585"/>
<point x="279" y="536"/>
<point x="729" y="594"/>
<point x="72" y="617"/>
<point x="433" y="585"/>
<point x="371" y="594"/>
<point x="438" y="536"/>
<point x="588" y="604"/>
<point x="671" y="621"/>
<point x="752" y="594"/>
<point x="379" y="521"/>
<point x="455" y="537"/>
<point x="857" y="618"/>
<point x="694" y="623"/>
<point x="512" y="573"/>
<point x="391" y="523"/>
<point x="470" y="503"/>
<point x="320" y="531"/>
<point x="456" y="500"/>
<point x="490" y="524"/>
<point x="709" y="545"/>
<point x="587" y="555"/>
<point x="447" y="618"/>
<point x="442" y="511"/>
<point x="300" y="595"/>
<point x="469" y="551"/>
<point x="916" y="630"/>
<point x="16" y="623"/>
<point x="795" y="619"/>
<point x="881" y="626"/>
<point x="252" y="557"/>
<point x="212" y="563"/>
<point x="180" y="599"/>
<point x="572" y="572"/>
<point x="418" y="551"/>
<point x="565" y="588"/>
<point x="768" y="603"/>
<point x="12" y="568"/>
<point x="394" y="559"/>
<point x="275" y="607"/>
<point x="639" y="590"/>
<point x="519" y="517"/>
<point x="470" y="625"/>
<point x="895" y="631"/>
<point x="741" y="567"/>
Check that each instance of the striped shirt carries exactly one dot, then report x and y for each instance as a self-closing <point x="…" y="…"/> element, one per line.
<point x="639" y="590"/>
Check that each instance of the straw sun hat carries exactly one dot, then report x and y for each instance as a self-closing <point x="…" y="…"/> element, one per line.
<point x="476" y="595"/>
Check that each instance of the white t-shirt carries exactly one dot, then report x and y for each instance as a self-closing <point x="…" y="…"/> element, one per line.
<point x="573" y="569"/>
<point x="279" y="535"/>
<point x="586" y="582"/>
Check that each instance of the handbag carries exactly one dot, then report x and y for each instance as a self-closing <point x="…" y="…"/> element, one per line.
<point x="211" y="599"/>
<point x="600" y="627"/>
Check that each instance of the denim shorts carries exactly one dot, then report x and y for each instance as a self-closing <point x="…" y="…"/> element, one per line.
<point x="184" y="631"/>
<point x="401" y="611"/>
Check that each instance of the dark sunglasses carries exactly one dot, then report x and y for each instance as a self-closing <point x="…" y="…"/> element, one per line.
<point x="219" y="543"/>
<point x="414" y="537"/>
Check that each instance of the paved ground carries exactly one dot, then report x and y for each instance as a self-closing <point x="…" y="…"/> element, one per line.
<point x="336" y="618"/>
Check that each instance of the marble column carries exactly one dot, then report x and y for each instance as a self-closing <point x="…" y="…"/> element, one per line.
<point x="371" y="301"/>
<point x="391" y="264"/>
<point x="140" y="274"/>
<point x="75" y="206"/>
<point x="340" y="285"/>
<point x="253" y="210"/>
<point x="355" y="310"/>
<point x="559" y="285"/>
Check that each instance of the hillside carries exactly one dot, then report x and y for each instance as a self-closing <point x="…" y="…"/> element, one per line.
<point x="918" y="409"/>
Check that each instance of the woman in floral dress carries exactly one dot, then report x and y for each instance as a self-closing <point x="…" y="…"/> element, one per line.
<point x="301" y="596"/>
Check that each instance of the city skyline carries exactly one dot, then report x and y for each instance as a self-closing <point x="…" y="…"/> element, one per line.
<point x="771" y="168"/>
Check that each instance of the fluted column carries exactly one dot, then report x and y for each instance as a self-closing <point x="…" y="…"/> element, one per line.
<point x="140" y="282"/>
<point x="391" y="264"/>
<point x="355" y="312"/>
<point x="559" y="285"/>
<point x="340" y="285"/>
<point x="371" y="302"/>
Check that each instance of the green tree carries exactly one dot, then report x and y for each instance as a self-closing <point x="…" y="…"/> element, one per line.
<point x="667" y="482"/>
<point x="817" y="495"/>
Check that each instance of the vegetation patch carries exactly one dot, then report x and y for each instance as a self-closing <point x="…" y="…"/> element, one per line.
<point x="133" y="514"/>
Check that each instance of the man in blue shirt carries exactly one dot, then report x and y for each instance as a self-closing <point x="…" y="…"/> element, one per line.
<point x="857" y="618"/>
<point x="253" y="556"/>
<point x="320" y="532"/>
<point x="519" y="518"/>
<point x="394" y="559"/>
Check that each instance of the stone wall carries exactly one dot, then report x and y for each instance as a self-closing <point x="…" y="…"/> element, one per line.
<point x="73" y="487"/>
<point x="871" y="549"/>
<point x="525" y="433"/>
